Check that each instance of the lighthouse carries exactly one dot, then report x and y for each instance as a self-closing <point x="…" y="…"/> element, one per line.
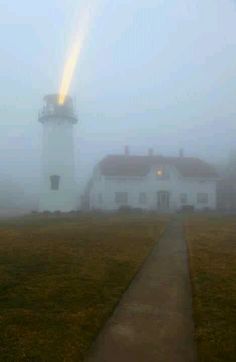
<point x="58" y="186"/>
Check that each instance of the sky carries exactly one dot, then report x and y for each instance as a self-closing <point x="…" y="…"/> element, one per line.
<point x="152" y="73"/>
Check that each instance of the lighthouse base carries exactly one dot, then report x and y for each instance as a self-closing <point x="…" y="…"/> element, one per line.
<point x="52" y="201"/>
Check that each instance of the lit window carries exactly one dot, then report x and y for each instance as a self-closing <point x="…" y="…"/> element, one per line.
<point x="202" y="198"/>
<point x="121" y="197"/>
<point x="142" y="198"/>
<point x="183" y="198"/>
<point x="160" y="172"/>
<point x="55" y="181"/>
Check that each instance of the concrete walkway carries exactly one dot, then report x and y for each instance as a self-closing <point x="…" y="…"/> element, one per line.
<point x="153" y="321"/>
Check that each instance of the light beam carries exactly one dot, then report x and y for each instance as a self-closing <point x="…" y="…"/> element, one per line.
<point x="84" y="23"/>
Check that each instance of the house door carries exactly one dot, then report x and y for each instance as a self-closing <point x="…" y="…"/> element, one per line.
<point x="163" y="200"/>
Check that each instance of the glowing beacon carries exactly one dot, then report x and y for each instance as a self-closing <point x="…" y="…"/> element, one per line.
<point x="58" y="190"/>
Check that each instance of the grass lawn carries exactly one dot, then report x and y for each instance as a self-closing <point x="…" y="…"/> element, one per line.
<point x="60" y="279"/>
<point x="212" y="249"/>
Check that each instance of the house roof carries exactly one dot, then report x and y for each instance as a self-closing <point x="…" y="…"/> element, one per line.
<point x="138" y="166"/>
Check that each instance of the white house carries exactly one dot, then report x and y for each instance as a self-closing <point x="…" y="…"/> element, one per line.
<point x="152" y="183"/>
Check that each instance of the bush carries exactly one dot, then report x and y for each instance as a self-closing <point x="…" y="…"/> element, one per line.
<point x="187" y="208"/>
<point x="129" y="209"/>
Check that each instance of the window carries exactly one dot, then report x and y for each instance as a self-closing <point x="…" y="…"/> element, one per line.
<point x="142" y="198"/>
<point x="202" y="198"/>
<point x="55" y="181"/>
<point x="100" y="199"/>
<point x="121" y="198"/>
<point x="183" y="198"/>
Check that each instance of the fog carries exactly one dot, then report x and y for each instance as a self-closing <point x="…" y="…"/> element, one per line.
<point x="152" y="73"/>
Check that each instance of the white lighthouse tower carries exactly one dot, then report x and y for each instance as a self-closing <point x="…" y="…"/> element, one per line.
<point x="58" y="189"/>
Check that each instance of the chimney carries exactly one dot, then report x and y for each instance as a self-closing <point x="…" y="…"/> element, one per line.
<point x="127" y="151"/>
<point x="181" y="153"/>
<point x="150" y="152"/>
